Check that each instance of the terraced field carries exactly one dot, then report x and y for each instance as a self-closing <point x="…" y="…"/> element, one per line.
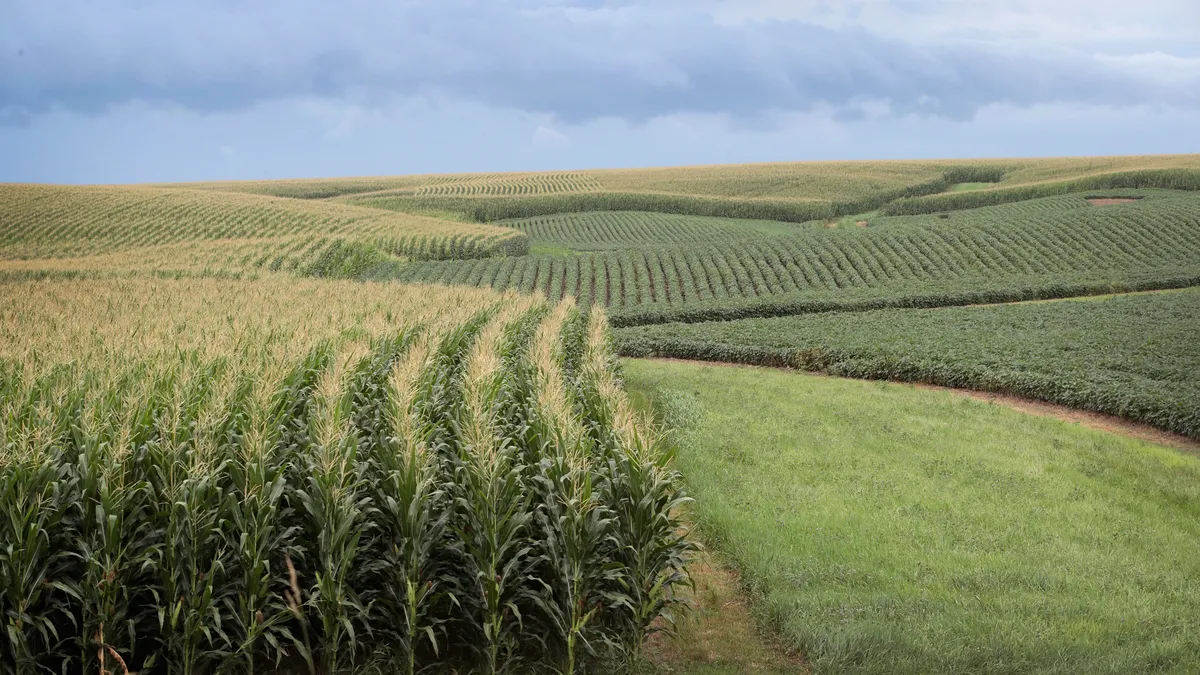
<point x="309" y="188"/>
<point x="809" y="181"/>
<point x="1172" y="179"/>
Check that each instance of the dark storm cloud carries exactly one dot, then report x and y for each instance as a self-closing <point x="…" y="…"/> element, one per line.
<point x="577" y="62"/>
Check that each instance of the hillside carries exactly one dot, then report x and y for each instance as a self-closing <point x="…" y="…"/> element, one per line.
<point x="810" y="181"/>
<point x="651" y="268"/>
<point x="338" y="420"/>
<point x="193" y="472"/>
<point x="127" y="225"/>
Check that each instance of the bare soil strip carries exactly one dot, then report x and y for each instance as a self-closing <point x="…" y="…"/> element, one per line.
<point x="1109" y="201"/>
<point x="719" y="630"/>
<point x="1093" y="420"/>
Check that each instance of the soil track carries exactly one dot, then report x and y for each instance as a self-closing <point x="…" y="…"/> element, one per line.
<point x="1086" y="418"/>
<point x="1109" y="201"/>
<point x="719" y="630"/>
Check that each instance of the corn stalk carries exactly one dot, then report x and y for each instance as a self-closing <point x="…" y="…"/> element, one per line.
<point x="335" y="504"/>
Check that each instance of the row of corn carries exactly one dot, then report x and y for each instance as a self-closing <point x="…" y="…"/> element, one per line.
<point x="475" y="498"/>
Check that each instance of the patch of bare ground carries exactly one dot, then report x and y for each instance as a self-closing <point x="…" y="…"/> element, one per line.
<point x="1109" y="201"/>
<point x="862" y="223"/>
<point x="718" y="634"/>
<point x="1086" y="418"/>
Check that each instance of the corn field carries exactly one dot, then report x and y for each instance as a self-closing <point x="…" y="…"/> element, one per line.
<point x="804" y="181"/>
<point x="41" y="221"/>
<point x="791" y="192"/>
<point x="219" y="476"/>
<point x="513" y="184"/>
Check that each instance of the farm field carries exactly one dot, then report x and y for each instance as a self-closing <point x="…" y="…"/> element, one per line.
<point x="1134" y="356"/>
<point x="652" y="268"/>
<point x="206" y="475"/>
<point x="55" y="222"/>
<point x="382" y="420"/>
<point x="885" y="529"/>
<point x="789" y="191"/>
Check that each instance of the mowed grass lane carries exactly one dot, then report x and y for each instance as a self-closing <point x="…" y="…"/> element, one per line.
<point x="887" y="529"/>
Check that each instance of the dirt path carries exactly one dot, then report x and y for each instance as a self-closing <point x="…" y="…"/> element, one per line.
<point x="719" y="632"/>
<point x="1093" y="420"/>
<point x="1109" y="201"/>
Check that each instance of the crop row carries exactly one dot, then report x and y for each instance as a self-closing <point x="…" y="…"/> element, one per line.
<point x="608" y="230"/>
<point x="1132" y="356"/>
<point x="317" y="188"/>
<point x="204" y="478"/>
<point x="55" y="222"/>
<point x="513" y="184"/>
<point x="1063" y="247"/>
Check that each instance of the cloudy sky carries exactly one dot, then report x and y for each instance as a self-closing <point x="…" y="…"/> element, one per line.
<point x="143" y="90"/>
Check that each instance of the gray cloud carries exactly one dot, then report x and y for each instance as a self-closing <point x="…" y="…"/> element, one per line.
<point x="575" y="62"/>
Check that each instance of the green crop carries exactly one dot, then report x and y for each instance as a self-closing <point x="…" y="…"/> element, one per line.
<point x="1170" y="179"/>
<point x="651" y="268"/>
<point x="1132" y="356"/>
<point x="211" y="476"/>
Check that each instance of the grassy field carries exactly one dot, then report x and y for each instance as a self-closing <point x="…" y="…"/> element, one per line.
<point x="210" y="475"/>
<point x="885" y="529"/>
<point x="1134" y="356"/>
<point x="967" y="187"/>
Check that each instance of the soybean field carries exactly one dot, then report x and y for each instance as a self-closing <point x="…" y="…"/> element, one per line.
<point x="651" y="268"/>
<point x="1134" y="356"/>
